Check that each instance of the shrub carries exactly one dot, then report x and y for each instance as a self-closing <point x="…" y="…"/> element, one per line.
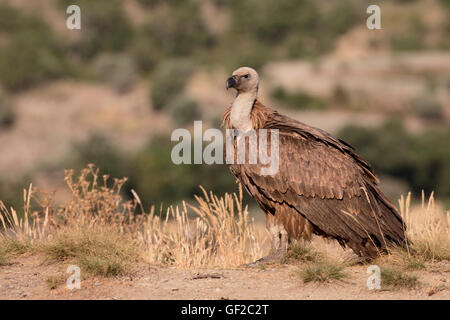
<point x="10" y="18"/>
<point x="298" y="100"/>
<point x="168" y="81"/>
<point x="322" y="272"/>
<point x="396" y="279"/>
<point x="428" y="108"/>
<point x="340" y="95"/>
<point x="30" y="54"/>
<point x="118" y="70"/>
<point x="154" y="3"/>
<point x="184" y="110"/>
<point x="297" y="28"/>
<point x="99" y="150"/>
<point x="104" y="27"/>
<point x="412" y="39"/>
<point x="98" y="251"/>
<point x="7" y="115"/>
<point x="159" y="180"/>
<point x="151" y="171"/>
<point x="3" y="260"/>
<point x="413" y="158"/>
<point x="302" y="253"/>
<point x="145" y="53"/>
<point x="178" y="30"/>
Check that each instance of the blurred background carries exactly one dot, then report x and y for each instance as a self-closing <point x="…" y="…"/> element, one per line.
<point x="112" y="92"/>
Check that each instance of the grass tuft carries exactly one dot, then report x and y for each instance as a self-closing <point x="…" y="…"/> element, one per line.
<point x="3" y="260"/>
<point x="302" y="253"/>
<point x="323" y="271"/>
<point x="396" y="279"/>
<point x="428" y="227"/>
<point x="99" y="252"/>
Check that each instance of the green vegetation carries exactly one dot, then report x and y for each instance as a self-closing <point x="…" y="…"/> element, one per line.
<point x="298" y="100"/>
<point x="258" y="31"/>
<point x="414" y="263"/>
<point x="396" y="279"/>
<point x="298" y="28"/>
<point x="31" y="54"/>
<point x="172" y="76"/>
<point x="302" y="253"/>
<point x="428" y="108"/>
<point x="184" y="110"/>
<point x="322" y="272"/>
<point x="14" y="246"/>
<point x="168" y="41"/>
<point x="421" y="160"/>
<point x="99" y="253"/>
<point x="177" y="31"/>
<point x="105" y="27"/>
<point x="413" y="38"/>
<point x="118" y="70"/>
<point x="3" y="260"/>
<point x="7" y="115"/>
<point x="315" y="266"/>
<point x="100" y="151"/>
<point x="151" y="171"/>
<point x="155" y="176"/>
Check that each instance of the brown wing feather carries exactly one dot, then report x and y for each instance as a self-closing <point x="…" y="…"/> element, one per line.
<point x="324" y="180"/>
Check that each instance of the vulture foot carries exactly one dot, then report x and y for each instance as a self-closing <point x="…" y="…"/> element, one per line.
<point x="273" y="258"/>
<point x="280" y="242"/>
<point x="351" y="259"/>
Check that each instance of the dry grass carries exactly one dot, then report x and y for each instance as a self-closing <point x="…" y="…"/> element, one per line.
<point x="217" y="232"/>
<point x="105" y="235"/>
<point x="428" y="227"/>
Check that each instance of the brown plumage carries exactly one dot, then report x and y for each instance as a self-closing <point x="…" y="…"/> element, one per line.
<point x="322" y="185"/>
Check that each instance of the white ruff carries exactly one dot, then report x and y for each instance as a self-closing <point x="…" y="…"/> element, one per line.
<point x="240" y="111"/>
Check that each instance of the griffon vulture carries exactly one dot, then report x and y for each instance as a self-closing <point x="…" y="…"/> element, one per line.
<point x="321" y="187"/>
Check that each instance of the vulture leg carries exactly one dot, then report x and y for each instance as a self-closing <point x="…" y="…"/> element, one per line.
<point x="280" y="242"/>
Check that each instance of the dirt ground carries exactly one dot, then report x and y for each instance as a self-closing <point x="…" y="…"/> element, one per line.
<point x="28" y="278"/>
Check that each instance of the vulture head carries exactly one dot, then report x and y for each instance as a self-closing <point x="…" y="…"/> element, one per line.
<point x="244" y="79"/>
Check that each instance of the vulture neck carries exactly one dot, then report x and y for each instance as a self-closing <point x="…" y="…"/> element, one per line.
<point x="241" y="109"/>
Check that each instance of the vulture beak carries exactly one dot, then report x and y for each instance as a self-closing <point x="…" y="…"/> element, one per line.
<point x="231" y="82"/>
